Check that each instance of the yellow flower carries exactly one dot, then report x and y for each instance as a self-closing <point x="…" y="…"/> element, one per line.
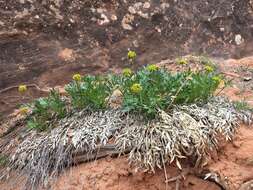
<point x="77" y="77"/>
<point x="127" y="72"/>
<point x="217" y="79"/>
<point x="182" y="62"/>
<point x="152" y="68"/>
<point x="136" y="88"/>
<point x="23" y="110"/>
<point x="209" y="68"/>
<point x="22" y="88"/>
<point x="131" y="55"/>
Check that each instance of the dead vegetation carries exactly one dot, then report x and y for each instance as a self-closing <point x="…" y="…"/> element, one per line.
<point x="186" y="132"/>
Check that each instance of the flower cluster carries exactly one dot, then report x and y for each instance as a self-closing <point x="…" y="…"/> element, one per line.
<point x="217" y="79"/>
<point x="136" y="88"/>
<point x="131" y="55"/>
<point x="152" y="68"/>
<point x="23" y="110"/>
<point x="182" y="61"/>
<point x="209" y="69"/>
<point x="77" y="77"/>
<point x="22" y="88"/>
<point x="127" y="72"/>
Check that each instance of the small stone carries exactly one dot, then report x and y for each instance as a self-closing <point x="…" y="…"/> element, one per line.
<point x="238" y="39"/>
<point x="132" y="10"/>
<point x="165" y="6"/>
<point x="71" y="20"/>
<point x="103" y="20"/>
<point x="136" y="43"/>
<point x="143" y="15"/>
<point x="93" y="10"/>
<point x="158" y="29"/>
<point x="126" y="21"/>
<point x="138" y="5"/>
<point x="100" y="11"/>
<point x="146" y="5"/>
<point x="114" y="18"/>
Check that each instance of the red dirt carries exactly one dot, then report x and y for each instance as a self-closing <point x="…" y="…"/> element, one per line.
<point x="115" y="174"/>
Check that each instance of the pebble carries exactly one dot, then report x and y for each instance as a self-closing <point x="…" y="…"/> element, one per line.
<point x="146" y="5"/>
<point x="132" y="10"/>
<point x="238" y="39"/>
<point x="114" y="18"/>
<point x="126" y="21"/>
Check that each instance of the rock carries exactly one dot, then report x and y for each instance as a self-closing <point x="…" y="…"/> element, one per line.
<point x="165" y="6"/>
<point x="135" y="43"/>
<point x="222" y="29"/>
<point x="114" y="18"/>
<point x="146" y="5"/>
<point x="132" y="10"/>
<point x="238" y="39"/>
<point x="158" y="29"/>
<point x="67" y="54"/>
<point x="138" y="5"/>
<point x="143" y="15"/>
<point x="103" y="20"/>
<point x="126" y="21"/>
<point x="116" y="99"/>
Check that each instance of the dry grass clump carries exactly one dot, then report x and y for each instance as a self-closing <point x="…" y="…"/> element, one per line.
<point x="188" y="131"/>
<point x="42" y="157"/>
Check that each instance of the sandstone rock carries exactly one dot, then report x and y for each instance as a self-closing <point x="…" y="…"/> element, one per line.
<point x="238" y="39"/>
<point x="126" y="21"/>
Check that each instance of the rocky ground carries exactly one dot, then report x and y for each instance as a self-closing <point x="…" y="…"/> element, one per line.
<point x="44" y="42"/>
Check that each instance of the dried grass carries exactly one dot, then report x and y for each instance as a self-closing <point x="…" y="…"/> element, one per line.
<point x="186" y="132"/>
<point x="189" y="131"/>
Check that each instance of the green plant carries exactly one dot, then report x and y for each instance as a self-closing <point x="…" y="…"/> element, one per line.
<point x="45" y="109"/>
<point x="242" y="106"/>
<point x="152" y="89"/>
<point x="181" y="61"/>
<point x="91" y="92"/>
<point x="3" y="160"/>
<point x="131" y="55"/>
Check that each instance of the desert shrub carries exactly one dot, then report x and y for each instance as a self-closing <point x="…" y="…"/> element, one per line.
<point x="45" y="109"/>
<point x="152" y="88"/>
<point x="146" y="91"/>
<point x="91" y="92"/>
